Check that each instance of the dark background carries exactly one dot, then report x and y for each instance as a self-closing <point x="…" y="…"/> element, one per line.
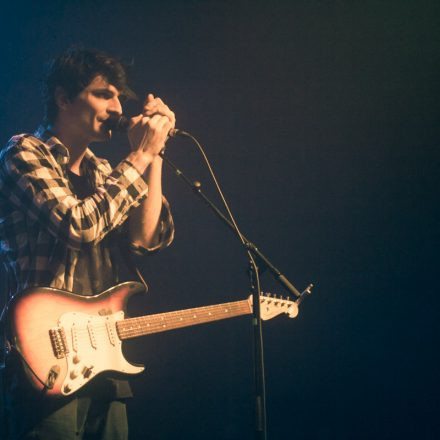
<point x="320" y="119"/>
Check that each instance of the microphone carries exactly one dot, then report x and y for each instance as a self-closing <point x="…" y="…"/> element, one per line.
<point x="121" y="123"/>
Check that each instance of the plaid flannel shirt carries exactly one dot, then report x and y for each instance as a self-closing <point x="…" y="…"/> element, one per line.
<point x="44" y="226"/>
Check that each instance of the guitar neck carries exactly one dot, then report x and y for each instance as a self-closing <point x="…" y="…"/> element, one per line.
<point x="161" y="322"/>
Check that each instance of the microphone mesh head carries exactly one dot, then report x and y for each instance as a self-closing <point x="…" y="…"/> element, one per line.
<point x="117" y="123"/>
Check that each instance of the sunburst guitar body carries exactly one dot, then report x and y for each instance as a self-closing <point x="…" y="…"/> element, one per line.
<point x="65" y="339"/>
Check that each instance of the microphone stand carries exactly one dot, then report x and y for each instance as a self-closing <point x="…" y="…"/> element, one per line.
<point x="252" y="250"/>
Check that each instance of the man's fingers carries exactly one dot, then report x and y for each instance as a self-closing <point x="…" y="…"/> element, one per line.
<point x="136" y="120"/>
<point x="159" y="123"/>
<point x="156" y="105"/>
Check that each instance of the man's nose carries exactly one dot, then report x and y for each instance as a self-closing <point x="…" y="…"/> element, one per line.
<point x="115" y="106"/>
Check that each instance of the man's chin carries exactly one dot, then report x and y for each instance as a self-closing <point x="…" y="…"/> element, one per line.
<point x="108" y="134"/>
<point x="104" y="135"/>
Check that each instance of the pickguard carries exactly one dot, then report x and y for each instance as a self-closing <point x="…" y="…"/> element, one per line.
<point x="91" y="345"/>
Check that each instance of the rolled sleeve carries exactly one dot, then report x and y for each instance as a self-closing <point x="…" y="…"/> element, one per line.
<point x="128" y="176"/>
<point x="165" y="233"/>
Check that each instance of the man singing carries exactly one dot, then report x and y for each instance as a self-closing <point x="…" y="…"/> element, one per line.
<point x="68" y="221"/>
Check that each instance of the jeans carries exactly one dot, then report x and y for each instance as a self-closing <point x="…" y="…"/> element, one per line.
<point x="89" y="415"/>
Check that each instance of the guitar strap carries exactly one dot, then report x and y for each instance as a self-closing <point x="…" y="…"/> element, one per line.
<point x="132" y="266"/>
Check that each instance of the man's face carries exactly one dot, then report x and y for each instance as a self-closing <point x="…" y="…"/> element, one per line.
<point x="87" y="112"/>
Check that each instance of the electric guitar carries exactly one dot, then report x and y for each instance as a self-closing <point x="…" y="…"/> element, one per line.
<point x="65" y="340"/>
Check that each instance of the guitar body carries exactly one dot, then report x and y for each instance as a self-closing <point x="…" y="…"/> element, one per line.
<point x="67" y="339"/>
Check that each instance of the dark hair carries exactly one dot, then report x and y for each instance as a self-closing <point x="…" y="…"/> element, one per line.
<point x="74" y="70"/>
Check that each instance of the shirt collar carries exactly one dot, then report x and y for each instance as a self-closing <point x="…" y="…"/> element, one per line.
<point x="56" y="147"/>
<point x="60" y="151"/>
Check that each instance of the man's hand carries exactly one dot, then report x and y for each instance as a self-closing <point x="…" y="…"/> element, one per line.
<point x="148" y="131"/>
<point x="147" y="134"/>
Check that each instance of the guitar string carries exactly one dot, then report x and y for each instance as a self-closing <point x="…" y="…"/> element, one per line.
<point x="170" y="320"/>
<point x="136" y="326"/>
<point x="170" y="324"/>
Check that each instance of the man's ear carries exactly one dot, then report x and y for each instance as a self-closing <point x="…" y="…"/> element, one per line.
<point x="61" y="98"/>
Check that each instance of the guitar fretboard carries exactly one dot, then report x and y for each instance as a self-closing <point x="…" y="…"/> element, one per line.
<point x="144" y="325"/>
